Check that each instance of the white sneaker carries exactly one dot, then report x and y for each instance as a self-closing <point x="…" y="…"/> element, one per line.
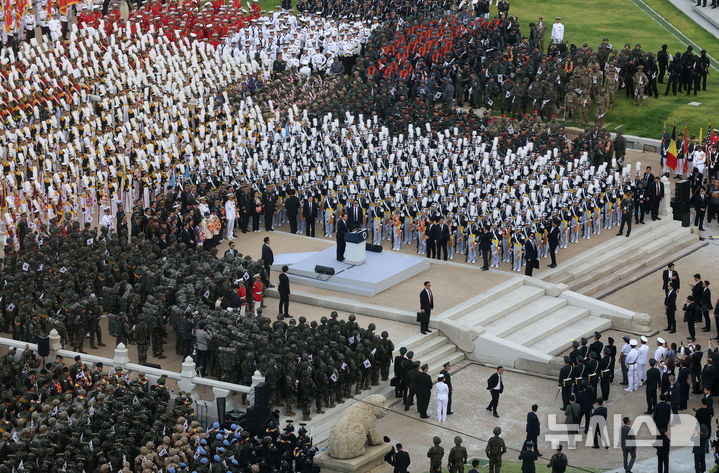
<point x="628" y="390"/>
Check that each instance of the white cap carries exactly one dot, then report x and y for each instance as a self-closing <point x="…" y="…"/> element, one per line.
<point x="644" y="339"/>
<point x="661" y="340"/>
<point x="633" y="342"/>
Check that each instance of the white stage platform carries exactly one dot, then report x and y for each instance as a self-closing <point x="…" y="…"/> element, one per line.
<point x="380" y="272"/>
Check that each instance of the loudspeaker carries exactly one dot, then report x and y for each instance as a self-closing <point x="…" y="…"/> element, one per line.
<point x="324" y="270"/>
<point x="681" y="193"/>
<point x="221" y="405"/>
<point x="373" y="248"/>
<point x="262" y="395"/>
<point x="43" y="345"/>
<point x="257" y="419"/>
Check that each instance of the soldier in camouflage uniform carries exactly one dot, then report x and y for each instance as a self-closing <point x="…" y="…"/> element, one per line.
<point x="435" y="455"/>
<point x="142" y="337"/>
<point x="457" y="457"/>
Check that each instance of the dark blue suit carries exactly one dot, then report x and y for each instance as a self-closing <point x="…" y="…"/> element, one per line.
<point x="533" y="428"/>
<point x="342" y="230"/>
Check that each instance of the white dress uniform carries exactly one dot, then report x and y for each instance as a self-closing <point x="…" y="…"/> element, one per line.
<point x="643" y="359"/>
<point x="632" y="367"/>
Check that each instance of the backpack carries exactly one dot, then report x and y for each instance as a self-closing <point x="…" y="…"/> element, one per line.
<point x="559" y="462"/>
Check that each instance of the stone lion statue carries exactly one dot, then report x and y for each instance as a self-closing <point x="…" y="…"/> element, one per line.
<point x="357" y="425"/>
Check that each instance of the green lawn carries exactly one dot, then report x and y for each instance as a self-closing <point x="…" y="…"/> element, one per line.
<point x="516" y="467"/>
<point x="624" y="22"/>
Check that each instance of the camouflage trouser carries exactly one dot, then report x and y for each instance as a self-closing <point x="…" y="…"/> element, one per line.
<point x="305" y="406"/>
<point x="321" y="399"/>
<point x="95" y="332"/>
<point x="457" y="468"/>
<point x="142" y="352"/>
<point x="347" y="388"/>
<point x="275" y="395"/>
<point x="384" y="369"/>
<point x="495" y="463"/>
<point x="332" y="396"/>
<point x="157" y="338"/>
<point x="374" y="375"/>
<point x="78" y="339"/>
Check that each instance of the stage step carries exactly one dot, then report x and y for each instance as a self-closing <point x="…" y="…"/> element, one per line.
<point x="525" y="316"/>
<point x="620" y="261"/>
<point x="636" y="271"/>
<point x="634" y="251"/>
<point x="556" y="342"/>
<point x="565" y="317"/>
<point x="500" y="305"/>
<point x="567" y="270"/>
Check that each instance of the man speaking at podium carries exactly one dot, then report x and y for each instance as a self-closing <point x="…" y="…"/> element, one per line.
<point x="342" y="229"/>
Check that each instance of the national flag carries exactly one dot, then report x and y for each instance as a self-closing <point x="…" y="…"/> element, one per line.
<point x="672" y="150"/>
<point x="8" y="16"/>
<point x="62" y="7"/>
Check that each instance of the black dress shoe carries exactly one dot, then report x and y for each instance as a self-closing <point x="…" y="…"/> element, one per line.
<point x="428" y="330"/>
<point x="450" y="413"/>
<point x="672" y="331"/>
<point x="424" y="333"/>
<point x="424" y="417"/>
<point x="619" y="234"/>
<point x="552" y="265"/>
<point x="495" y="414"/>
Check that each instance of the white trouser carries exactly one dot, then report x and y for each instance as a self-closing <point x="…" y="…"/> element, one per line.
<point x="230" y="227"/>
<point x="642" y="371"/>
<point x="633" y="376"/>
<point x="442" y="408"/>
<point x="258" y="304"/>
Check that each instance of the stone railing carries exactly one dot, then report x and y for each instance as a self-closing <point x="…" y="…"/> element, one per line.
<point x="187" y="379"/>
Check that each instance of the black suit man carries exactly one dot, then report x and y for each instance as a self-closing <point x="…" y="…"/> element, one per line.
<point x="342" y="230"/>
<point x="355" y="217"/>
<point x="706" y="304"/>
<point x="431" y="239"/>
<point x="268" y="257"/>
<point x="485" y="244"/>
<point x="653" y="382"/>
<point x="292" y="205"/>
<point x="441" y="238"/>
<point x="448" y="381"/>
<point x="530" y="255"/>
<point x="670" y="274"/>
<point x="533" y="428"/>
<point x="309" y="212"/>
<point x="648" y="178"/>
<point x="670" y="305"/>
<point x="495" y="386"/>
<point x="656" y="194"/>
<point x="700" y="207"/>
<point x="662" y="412"/>
<point x="284" y="289"/>
<point x="553" y="243"/>
<point x="424" y="391"/>
<point x="401" y="460"/>
<point x="426" y="304"/>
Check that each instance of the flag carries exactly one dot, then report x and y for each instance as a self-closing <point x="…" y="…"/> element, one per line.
<point x="672" y="150"/>
<point x="8" y="16"/>
<point x="686" y="151"/>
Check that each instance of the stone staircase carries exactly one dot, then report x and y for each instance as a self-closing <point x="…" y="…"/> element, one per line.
<point x="433" y="349"/>
<point x="614" y="264"/>
<point x="518" y="319"/>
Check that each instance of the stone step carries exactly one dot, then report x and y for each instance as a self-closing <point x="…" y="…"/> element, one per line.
<point x="637" y="271"/>
<point x="546" y="326"/>
<point x="414" y="341"/>
<point x="559" y="340"/>
<point x="501" y="305"/>
<point x="609" y="270"/>
<point x="560" y="274"/>
<point x="438" y="355"/>
<point x="524" y="316"/>
<point x="633" y="251"/>
<point x="429" y="346"/>
<point x="453" y="358"/>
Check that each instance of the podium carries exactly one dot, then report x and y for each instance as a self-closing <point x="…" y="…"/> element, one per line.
<point x="355" y="249"/>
